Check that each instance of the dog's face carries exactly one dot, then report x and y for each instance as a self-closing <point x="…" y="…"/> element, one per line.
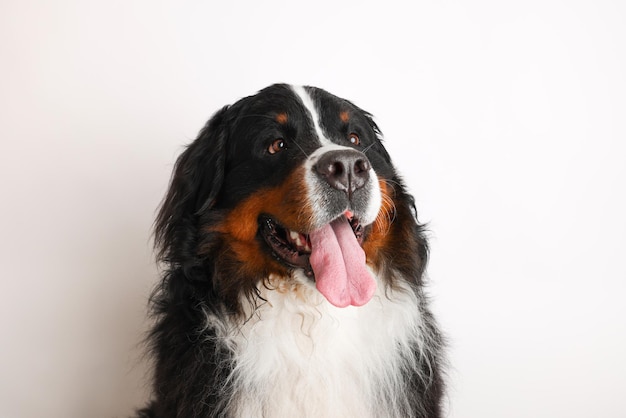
<point x="324" y="146"/>
<point x="292" y="182"/>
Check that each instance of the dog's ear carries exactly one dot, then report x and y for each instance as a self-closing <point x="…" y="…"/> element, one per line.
<point x="196" y="182"/>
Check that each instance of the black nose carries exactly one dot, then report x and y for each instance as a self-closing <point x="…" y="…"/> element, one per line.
<point x="345" y="170"/>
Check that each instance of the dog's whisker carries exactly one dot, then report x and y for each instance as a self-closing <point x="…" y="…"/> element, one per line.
<point x="254" y="115"/>
<point x="368" y="148"/>
<point x="392" y="183"/>
<point x="301" y="149"/>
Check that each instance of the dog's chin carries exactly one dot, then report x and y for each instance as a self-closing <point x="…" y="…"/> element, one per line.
<point x="293" y="248"/>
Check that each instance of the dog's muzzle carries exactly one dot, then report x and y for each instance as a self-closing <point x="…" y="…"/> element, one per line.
<point x="346" y="170"/>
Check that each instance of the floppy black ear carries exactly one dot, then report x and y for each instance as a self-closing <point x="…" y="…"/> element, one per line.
<point x="196" y="181"/>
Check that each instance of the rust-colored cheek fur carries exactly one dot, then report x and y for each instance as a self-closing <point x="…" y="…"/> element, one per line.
<point x="287" y="204"/>
<point x="378" y="238"/>
<point x="394" y="247"/>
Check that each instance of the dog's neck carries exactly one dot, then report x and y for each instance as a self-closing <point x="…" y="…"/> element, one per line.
<point x="298" y="353"/>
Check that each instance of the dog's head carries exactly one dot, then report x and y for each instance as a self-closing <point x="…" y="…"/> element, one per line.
<point x="291" y="184"/>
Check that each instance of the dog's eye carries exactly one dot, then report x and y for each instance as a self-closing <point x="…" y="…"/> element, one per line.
<point x="277" y="146"/>
<point x="354" y="139"/>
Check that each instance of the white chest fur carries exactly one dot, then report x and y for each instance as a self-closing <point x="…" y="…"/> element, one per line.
<point x="299" y="356"/>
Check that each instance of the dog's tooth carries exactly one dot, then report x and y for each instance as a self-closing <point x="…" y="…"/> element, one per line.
<point x="299" y="241"/>
<point x="294" y="235"/>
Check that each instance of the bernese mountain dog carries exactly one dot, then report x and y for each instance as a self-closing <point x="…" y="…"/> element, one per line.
<point x="293" y="270"/>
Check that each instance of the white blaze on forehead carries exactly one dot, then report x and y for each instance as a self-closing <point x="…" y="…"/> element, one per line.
<point x="307" y="101"/>
<point x="316" y="186"/>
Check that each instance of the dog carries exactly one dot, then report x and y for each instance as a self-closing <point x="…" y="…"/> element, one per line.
<point x="293" y="270"/>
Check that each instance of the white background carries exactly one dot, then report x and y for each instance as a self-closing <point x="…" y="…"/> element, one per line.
<point x="506" y="119"/>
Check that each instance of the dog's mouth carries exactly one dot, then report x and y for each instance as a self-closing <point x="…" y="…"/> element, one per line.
<point x="332" y="256"/>
<point x="293" y="248"/>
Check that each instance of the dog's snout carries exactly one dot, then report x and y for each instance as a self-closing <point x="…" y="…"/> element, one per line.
<point x="345" y="170"/>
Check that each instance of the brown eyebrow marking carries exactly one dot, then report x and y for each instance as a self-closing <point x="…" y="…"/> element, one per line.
<point x="281" y="118"/>
<point x="344" y="116"/>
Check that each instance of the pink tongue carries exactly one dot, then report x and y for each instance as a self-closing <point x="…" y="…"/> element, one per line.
<point x="338" y="262"/>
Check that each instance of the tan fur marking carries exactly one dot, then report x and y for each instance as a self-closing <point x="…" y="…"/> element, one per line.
<point x="286" y="204"/>
<point x="282" y="118"/>
<point x="379" y="236"/>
